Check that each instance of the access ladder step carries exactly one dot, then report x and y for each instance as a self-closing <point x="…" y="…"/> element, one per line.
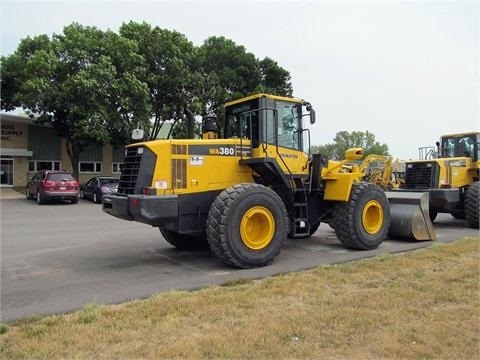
<point x="302" y="227"/>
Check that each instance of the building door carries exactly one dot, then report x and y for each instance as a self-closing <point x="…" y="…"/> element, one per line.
<point x="6" y="172"/>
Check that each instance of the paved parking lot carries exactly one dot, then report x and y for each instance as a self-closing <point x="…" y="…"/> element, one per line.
<point x="58" y="257"/>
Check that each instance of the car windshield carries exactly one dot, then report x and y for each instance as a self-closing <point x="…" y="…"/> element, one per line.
<point x="60" y="177"/>
<point x="109" y="182"/>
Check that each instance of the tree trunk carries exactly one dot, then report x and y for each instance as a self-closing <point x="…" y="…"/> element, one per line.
<point x="73" y="152"/>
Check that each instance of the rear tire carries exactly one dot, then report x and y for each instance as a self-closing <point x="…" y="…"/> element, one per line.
<point x="247" y="225"/>
<point x="362" y="222"/>
<point x="40" y="199"/>
<point x="183" y="241"/>
<point x="472" y="199"/>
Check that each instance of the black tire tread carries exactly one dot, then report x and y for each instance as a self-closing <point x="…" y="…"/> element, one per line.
<point x="184" y="241"/>
<point x="472" y="199"/>
<point x="217" y="226"/>
<point x="344" y="222"/>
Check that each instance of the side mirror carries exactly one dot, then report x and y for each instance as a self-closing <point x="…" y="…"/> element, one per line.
<point x="137" y="134"/>
<point x="312" y="116"/>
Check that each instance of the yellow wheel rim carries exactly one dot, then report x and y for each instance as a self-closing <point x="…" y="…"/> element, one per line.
<point x="372" y="217"/>
<point x="257" y="228"/>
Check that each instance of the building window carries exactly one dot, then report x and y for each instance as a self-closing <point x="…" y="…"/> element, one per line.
<point x="116" y="167"/>
<point x="90" y="167"/>
<point x="37" y="165"/>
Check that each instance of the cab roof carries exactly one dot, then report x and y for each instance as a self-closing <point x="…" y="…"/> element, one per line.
<point x="273" y="97"/>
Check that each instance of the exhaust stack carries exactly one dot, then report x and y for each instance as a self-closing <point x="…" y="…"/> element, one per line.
<point x="209" y="127"/>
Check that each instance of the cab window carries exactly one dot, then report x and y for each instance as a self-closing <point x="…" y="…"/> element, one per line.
<point x="463" y="145"/>
<point x="286" y="128"/>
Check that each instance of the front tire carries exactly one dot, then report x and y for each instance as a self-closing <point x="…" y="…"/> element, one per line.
<point x="95" y="198"/>
<point x="362" y="222"/>
<point x="183" y="241"/>
<point x="472" y="199"/>
<point x="247" y="225"/>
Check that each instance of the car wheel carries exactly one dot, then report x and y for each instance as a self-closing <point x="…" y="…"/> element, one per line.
<point x="74" y="200"/>
<point x="40" y="199"/>
<point x="96" y="198"/>
<point x="27" y="193"/>
<point x="82" y="195"/>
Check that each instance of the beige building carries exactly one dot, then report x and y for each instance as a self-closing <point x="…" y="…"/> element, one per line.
<point x="27" y="147"/>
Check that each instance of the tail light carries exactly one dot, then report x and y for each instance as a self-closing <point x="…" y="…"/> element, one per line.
<point x="49" y="184"/>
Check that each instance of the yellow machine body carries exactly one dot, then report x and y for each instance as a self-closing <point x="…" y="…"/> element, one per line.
<point x="450" y="174"/>
<point x="247" y="184"/>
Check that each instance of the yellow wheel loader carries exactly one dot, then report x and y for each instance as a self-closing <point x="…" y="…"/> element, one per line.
<point x="450" y="175"/>
<point x="379" y="170"/>
<point x="247" y="185"/>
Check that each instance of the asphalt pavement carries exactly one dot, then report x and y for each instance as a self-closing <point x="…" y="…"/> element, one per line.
<point x="59" y="257"/>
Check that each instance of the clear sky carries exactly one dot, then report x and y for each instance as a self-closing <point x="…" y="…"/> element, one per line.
<point x="405" y="71"/>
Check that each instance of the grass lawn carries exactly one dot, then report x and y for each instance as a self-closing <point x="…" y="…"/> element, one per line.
<point x="418" y="305"/>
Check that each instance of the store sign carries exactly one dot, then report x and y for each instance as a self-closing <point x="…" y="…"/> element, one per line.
<point x="9" y="132"/>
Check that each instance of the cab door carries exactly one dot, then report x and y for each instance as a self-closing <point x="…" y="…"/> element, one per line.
<point x="281" y="131"/>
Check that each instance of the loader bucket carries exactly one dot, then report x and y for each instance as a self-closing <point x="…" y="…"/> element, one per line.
<point x="410" y="217"/>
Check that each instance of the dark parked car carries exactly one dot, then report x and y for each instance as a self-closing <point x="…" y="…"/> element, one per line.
<point x="47" y="185"/>
<point x="98" y="186"/>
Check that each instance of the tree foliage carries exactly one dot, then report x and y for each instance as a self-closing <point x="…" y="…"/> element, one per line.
<point x="83" y="81"/>
<point x="229" y="72"/>
<point x="95" y="86"/>
<point x="275" y="79"/>
<point x="345" y="140"/>
<point x="169" y="71"/>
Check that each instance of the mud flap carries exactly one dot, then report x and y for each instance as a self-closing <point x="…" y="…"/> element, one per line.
<point x="410" y="217"/>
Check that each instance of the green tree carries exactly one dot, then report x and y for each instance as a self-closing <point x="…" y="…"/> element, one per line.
<point x="275" y="79"/>
<point x="82" y="81"/>
<point x="230" y="72"/>
<point x="95" y="86"/>
<point x="170" y="64"/>
<point x="345" y="140"/>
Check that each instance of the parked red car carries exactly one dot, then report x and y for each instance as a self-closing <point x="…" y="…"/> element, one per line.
<point x="47" y="184"/>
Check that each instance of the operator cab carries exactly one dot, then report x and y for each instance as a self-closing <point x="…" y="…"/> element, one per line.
<point x="460" y="145"/>
<point x="268" y="119"/>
